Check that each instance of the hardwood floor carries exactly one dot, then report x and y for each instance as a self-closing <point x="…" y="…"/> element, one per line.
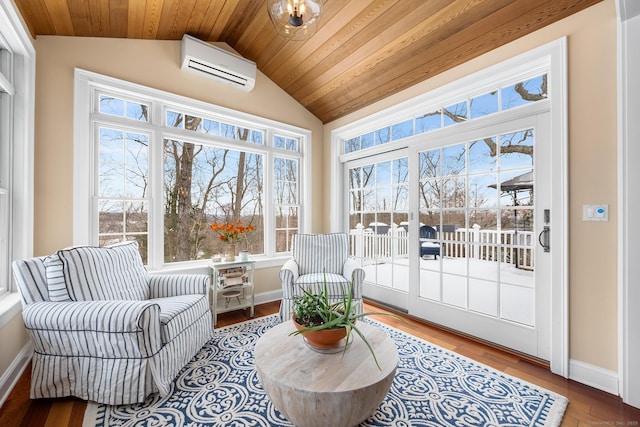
<point x="587" y="406"/>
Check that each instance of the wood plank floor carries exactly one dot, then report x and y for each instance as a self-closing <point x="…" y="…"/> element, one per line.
<point x="587" y="406"/>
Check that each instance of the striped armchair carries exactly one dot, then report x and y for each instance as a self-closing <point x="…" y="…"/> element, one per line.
<point x="313" y="255"/>
<point x="103" y="329"/>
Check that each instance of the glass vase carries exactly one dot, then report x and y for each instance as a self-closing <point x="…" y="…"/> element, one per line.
<point x="230" y="252"/>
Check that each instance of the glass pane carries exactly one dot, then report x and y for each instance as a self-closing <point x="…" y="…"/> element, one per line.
<point x="210" y="127"/>
<point x="402" y="130"/>
<point x="192" y="123"/>
<point x="429" y="164"/>
<point x="175" y="120"/>
<point x="483" y="191"/>
<point x="516" y="188"/>
<point x="112" y="106"/>
<point x="429" y="122"/>
<point x="111" y="217"/>
<point x="453" y="160"/>
<point x="137" y="111"/>
<point x="516" y="149"/>
<point x="136" y="217"/>
<point x="482" y="155"/>
<point x="111" y="170"/>
<point x="382" y="136"/>
<point x="454" y="291"/>
<point x="258" y="138"/>
<point x="351" y="145"/>
<point x="285" y="143"/>
<point x="401" y="171"/>
<point x="525" y="92"/>
<point x="483" y="219"/>
<point x="454" y="192"/>
<point x="455" y="113"/>
<point x="429" y="194"/>
<point x="483" y="105"/>
<point x="368" y="140"/>
<point x="483" y="296"/>
<point x="136" y="166"/>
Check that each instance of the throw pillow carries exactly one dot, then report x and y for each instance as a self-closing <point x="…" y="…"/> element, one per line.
<point x="105" y="273"/>
<point x="55" y="279"/>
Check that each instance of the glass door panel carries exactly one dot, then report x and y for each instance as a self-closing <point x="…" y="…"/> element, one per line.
<point x="476" y="197"/>
<point x="378" y="223"/>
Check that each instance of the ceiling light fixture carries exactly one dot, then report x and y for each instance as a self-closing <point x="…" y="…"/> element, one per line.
<point x="295" y="19"/>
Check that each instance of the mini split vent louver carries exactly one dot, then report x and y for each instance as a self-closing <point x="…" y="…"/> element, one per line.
<point x="216" y="63"/>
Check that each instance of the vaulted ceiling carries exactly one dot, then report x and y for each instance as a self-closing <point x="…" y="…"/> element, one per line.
<point x="364" y="50"/>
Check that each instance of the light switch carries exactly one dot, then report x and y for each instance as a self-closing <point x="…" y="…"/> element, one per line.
<point x="595" y="212"/>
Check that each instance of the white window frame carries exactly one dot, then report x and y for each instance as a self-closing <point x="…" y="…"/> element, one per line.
<point x="17" y="145"/>
<point x="85" y="226"/>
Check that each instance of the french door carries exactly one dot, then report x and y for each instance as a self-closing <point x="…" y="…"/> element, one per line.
<point x="485" y="193"/>
<point x="448" y="229"/>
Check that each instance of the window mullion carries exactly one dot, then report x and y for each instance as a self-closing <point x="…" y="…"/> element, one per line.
<point x="156" y="184"/>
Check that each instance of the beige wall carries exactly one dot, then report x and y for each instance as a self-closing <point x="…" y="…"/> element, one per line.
<point x="592" y="168"/>
<point x="13" y="337"/>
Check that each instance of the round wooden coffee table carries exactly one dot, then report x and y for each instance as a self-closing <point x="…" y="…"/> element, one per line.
<point x="318" y="389"/>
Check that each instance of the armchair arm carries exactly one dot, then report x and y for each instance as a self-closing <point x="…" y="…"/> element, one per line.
<point x="107" y="329"/>
<point x="354" y="273"/>
<point x="288" y="276"/>
<point x="171" y="285"/>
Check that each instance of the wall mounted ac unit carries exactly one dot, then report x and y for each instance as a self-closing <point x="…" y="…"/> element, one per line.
<point x="216" y="63"/>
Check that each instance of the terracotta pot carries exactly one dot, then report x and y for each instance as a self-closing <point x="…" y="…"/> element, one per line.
<point x="323" y="339"/>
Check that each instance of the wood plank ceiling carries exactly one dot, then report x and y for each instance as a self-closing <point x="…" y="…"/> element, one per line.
<point x="364" y="50"/>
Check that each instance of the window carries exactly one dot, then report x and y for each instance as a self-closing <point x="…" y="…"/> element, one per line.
<point x="17" y="73"/>
<point x="165" y="168"/>
<point x="509" y="96"/>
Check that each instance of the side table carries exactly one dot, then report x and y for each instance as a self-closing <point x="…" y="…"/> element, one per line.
<point x="232" y="287"/>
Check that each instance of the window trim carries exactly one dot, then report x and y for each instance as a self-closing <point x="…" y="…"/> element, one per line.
<point x="85" y="226"/>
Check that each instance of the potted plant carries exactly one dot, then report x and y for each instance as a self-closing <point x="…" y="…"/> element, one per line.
<point x="325" y="324"/>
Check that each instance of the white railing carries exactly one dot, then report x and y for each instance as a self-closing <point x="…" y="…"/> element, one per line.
<point x="508" y="246"/>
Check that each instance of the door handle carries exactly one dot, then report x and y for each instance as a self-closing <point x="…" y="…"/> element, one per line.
<point x="543" y="238"/>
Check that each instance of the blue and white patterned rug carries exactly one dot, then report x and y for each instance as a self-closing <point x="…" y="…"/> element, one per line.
<point x="432" y="387"/>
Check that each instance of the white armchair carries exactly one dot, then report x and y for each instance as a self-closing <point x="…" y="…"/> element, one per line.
<point x="313" y="256"/>
<point x="103" y="329"/>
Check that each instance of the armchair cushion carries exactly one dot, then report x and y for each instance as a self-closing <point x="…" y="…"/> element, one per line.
<point x="320" y="252"/>
<point x="118" y="269"/>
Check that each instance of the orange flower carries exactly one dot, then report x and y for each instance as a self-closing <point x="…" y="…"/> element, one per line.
<point x="230" y="232"/>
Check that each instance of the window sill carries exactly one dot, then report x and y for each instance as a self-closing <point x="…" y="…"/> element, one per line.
<point x="202" y="266"/>
<point x="10" y="305"/>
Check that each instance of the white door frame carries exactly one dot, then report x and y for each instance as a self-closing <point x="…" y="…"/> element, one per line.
<point x="553" y="56"/>
<point x="628" y="201"/>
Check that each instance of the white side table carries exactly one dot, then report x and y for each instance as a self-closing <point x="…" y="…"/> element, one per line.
<point x="232" y="287"/>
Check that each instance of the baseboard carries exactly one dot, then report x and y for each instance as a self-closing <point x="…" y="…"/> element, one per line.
<point x="14" y="371"/>
<point x="264" y="297"/>
<point x="594" y="376"/>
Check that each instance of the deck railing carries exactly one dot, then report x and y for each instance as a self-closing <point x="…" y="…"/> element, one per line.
<point x="507" y="246"/>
